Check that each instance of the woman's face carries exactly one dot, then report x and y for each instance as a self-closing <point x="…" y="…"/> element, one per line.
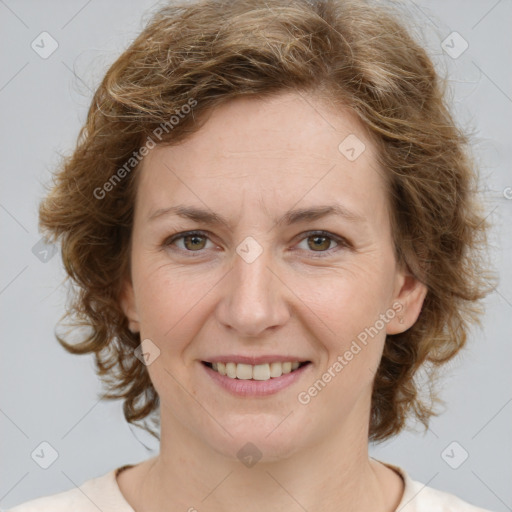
<point x="266" y="283"/>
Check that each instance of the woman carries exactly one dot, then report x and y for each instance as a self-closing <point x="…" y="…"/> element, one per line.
<point x="270" y="217"/>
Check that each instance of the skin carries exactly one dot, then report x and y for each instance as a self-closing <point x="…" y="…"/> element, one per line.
<point x="251" y="162"/>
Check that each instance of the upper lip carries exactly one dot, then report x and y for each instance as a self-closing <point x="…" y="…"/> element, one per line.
<point x="254" y="360"/>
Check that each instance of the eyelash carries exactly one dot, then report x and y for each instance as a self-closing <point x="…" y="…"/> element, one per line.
<point x="342" y="242"/>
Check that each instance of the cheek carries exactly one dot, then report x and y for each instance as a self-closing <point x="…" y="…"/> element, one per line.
<point x="349" y="333"/>
<point x="348" y="299"/>
<point x="170" y="299"/>
<point x="347" y="305"/>
<point x="157" y="300"/>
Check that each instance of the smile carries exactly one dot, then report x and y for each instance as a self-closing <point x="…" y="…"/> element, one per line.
<point x="263" y="372"/>
<point x="246" y="380"/>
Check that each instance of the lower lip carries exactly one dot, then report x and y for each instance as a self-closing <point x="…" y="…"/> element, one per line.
<point x="249" y="387"/>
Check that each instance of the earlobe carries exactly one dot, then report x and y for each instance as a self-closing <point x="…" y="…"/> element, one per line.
<point x="407" y="304"/>
<point x="127" y="302"/>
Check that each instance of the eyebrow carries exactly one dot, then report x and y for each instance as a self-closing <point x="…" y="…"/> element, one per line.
<point x="291" y="217"/>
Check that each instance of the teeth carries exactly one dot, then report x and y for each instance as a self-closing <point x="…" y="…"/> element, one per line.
<point x="276" y="369"/>
<point x="261" y="372"/>
<point x="244" y="371"/>
<point x="287" y="367"/>
<point x="257" y="372"/>
<point x="231" y="370"/>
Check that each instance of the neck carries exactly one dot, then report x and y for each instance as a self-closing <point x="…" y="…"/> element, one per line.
<point x="335" y="473"/>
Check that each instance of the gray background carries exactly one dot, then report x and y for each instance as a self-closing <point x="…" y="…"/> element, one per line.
<point x="50" y="395"/>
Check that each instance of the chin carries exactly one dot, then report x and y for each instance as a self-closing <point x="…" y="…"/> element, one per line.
<point x="262" y="437"/>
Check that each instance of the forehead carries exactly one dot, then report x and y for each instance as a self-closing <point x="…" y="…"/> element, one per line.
<point x="272" y="151"/>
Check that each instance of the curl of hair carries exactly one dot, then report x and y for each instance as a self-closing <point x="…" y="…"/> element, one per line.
<point x="352" y="55"/>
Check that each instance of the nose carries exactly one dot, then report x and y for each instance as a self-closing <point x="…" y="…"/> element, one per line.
<point x="254" y="297"/>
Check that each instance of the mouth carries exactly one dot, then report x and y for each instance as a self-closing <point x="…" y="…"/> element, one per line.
<point x="258" y="372"/>
<point x="260" y="380"/>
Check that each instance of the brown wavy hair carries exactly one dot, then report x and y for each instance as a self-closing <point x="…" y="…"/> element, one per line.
<point x="353" y="54"/>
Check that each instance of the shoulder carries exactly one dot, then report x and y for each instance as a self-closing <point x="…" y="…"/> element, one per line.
<point x="100" y="493"/>
<point x="426" y="499"/>
<point x="418" y="497"/>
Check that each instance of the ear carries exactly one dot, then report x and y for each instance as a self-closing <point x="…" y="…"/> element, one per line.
<point x="408" y="301"/>
<point x="127" y="301"/>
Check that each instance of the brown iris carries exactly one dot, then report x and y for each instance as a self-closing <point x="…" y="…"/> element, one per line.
<point x="194" y="239"/>
<point x="316" y="246"/>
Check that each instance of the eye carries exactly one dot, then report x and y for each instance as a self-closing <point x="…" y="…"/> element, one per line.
<point x="193" y="241"/>
<point x="317" y="242"/>
<point x="320" y="241"/>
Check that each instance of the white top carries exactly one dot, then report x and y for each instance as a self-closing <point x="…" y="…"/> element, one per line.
<point x="103" y="493"/>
